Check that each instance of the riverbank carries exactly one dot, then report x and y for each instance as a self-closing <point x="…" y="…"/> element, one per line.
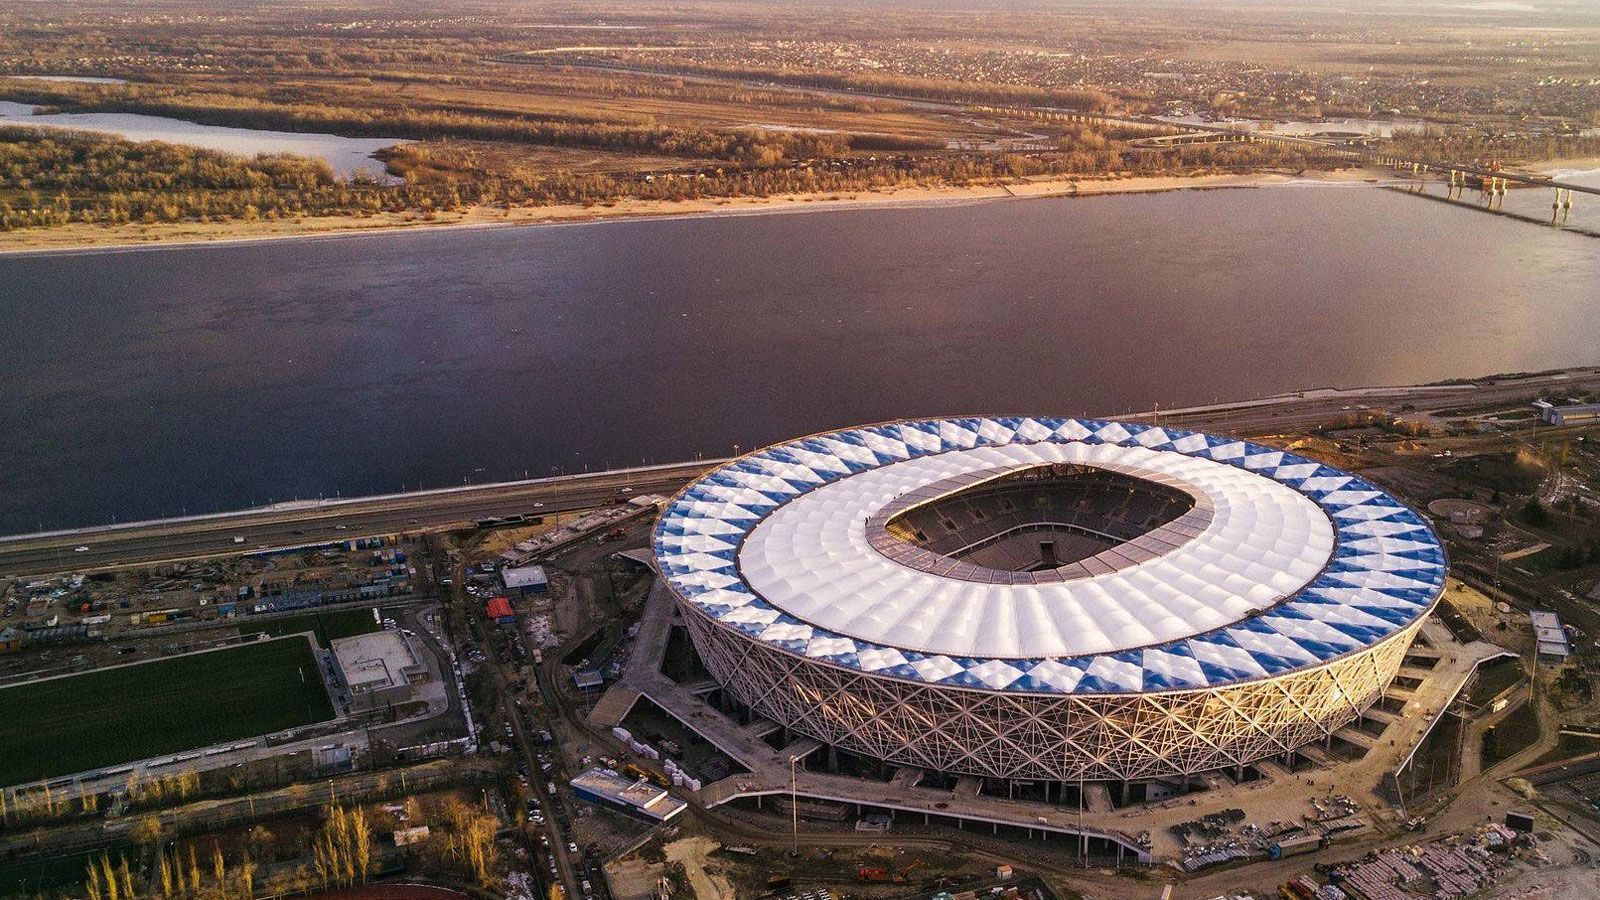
<point x="1577" y="170"/>
<point x="68" y="238"/>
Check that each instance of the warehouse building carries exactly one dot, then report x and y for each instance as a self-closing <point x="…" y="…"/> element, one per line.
<point x="1571" y="414"/>
<point x="637" y="798"/>
<point x="523" y="580"/>
<point x="380" y="669"/>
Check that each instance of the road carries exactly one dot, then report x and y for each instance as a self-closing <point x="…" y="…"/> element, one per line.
<point x="313" y="522"/>
<point x="513" y="710"/>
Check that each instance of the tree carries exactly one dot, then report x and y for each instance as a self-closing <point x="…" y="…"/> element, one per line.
<point x="263" y="842"/>
<point x="1534" y="513"/>
<point x="148" y="831"/>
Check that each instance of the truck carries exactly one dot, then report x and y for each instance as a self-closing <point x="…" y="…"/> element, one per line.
<point x="1294" y="846"/>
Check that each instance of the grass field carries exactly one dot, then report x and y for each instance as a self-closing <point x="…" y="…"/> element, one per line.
<point x="111" y="716"/>
<point x="329" y="626"/>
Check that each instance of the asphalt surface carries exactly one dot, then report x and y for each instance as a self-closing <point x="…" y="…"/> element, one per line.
<point x="316" y="522"/>
<point x="326" y="521"/>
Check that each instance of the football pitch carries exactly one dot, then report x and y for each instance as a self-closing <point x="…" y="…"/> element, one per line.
<point x="117" y="715"/>
<point x="328" y="626"/>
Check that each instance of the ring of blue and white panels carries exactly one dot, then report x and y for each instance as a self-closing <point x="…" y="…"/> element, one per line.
<point x="1386" y="570"/>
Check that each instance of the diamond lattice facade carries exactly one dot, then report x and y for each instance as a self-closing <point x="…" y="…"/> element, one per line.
<point x="1040" y="598"/>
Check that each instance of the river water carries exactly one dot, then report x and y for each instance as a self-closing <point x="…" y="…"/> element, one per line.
<point x="162" y="381"/>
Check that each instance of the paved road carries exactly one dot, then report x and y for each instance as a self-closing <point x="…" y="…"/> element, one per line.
<point x="322" y="521"/>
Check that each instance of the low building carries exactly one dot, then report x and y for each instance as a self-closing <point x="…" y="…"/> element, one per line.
<point x="380" y="668"/>
<point x="499" y="609"/>
<point x="524" y="580"/>
<point x="1570" y="414"/>
<point x="637" y="798"/>
<point x="1550" y="636"/>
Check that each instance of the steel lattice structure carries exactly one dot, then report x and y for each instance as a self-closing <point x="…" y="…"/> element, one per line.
<point x="1040" y="737"/>
<point x="1266" y="618"/>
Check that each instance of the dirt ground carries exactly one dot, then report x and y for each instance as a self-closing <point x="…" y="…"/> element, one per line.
<point x="691" y="852"/>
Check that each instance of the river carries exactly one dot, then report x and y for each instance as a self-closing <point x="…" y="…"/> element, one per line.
<point x="160" y="381"/>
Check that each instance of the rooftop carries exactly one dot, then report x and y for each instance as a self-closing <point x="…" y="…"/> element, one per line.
<point x="1286" y="563"/>
<point x="648" y="799"/>
<point x="523" y="576"/>
<point x="375" y="661"/>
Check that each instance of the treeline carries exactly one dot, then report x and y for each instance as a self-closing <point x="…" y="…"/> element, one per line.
<point x="1436" y="143"/>
<point x="560" y="80"/>
<point x="943" y="89"/>
<point x="51" y="162"/>
<point x="421" y="122"/>
<point x="69" y="178"/>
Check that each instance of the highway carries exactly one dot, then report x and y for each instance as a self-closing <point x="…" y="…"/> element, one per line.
<point x="316" y="522"/>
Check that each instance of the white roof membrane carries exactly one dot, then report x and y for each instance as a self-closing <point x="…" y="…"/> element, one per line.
<point x="1299" y="563"/>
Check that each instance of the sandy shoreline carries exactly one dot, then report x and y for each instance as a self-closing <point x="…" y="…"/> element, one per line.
<point x="92" y="238"/>
<point x="1575" y="164"/>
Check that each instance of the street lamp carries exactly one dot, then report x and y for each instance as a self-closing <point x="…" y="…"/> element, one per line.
<point x="794" y="803"/>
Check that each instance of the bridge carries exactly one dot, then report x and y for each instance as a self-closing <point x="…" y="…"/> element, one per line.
<point x="1494" y="182"/>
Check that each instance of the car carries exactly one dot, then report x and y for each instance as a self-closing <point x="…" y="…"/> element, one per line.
<point x="572" y="846"/>
<point x="81" y="549"/>
<point x="341" y="527"/>
<point x="238" y="539"/>
<point x="538" y="506"/>
<point x="627" y="490"/>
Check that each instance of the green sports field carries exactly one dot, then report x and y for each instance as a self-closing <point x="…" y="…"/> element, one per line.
<point x="112" y="716"/>
<point x="328" y="626"/>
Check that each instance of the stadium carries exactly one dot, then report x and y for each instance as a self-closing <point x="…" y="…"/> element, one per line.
<point x="1045" y="598"/>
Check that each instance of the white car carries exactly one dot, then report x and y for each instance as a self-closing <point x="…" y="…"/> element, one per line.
<point x="80" y="549"/>
<point x="538" y="506"/>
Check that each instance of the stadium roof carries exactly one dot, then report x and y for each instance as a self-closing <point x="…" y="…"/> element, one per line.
<point x="1298" y="563"/>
